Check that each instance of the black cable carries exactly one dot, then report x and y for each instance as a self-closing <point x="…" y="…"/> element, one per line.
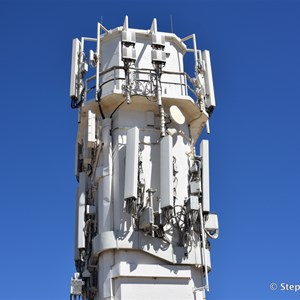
<point x="117" y="108"/>
<point x="101" y="111"/>
<point x="98" y="98"/>
<point x="75" y="102"/>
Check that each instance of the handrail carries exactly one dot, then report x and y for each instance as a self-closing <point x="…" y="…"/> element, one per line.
<point x="146" y="71"/>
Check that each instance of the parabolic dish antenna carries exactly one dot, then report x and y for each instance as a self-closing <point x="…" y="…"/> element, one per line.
<point x="176" y="115"/>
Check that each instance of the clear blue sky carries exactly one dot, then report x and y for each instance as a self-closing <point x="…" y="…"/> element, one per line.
<point x="255" y="144"/>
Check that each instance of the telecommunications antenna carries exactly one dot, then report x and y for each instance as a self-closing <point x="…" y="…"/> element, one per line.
<point x="176" y="115"/>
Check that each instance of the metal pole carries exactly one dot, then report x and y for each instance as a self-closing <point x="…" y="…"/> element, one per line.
<point x="203" y="247"/>
<point x="98" y="62"/>
<point x="195" y="52"/>
<point x="159" y="102"/>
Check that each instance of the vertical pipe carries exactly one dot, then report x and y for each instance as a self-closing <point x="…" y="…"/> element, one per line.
<point x="195" y="51"/>
<point x="203" y="247"/>
<point x="186" y="86"/>
<point x="159" y="102"/>
<point x="98" y="61"/>
<point x="199" y="55"/>
<point x="105" y="217"/>
<point x="166" y="172"/>
<point x="115" y="76"/>
<point x="127" y="70"/>
<point x="105" y="213"/>
<point x="80" y="207"/>
<point x="116" y="182"/>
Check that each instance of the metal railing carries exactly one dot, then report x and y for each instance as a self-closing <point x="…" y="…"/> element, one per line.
<point x="140" y="76"/>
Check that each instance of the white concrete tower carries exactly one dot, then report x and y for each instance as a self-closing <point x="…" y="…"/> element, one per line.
<point x="143" y="216"/>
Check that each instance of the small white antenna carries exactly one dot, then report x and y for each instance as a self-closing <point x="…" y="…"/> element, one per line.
<point x="125" y="25"/>
<point x="171" y="20"/>
<point x="154" y="26"/>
